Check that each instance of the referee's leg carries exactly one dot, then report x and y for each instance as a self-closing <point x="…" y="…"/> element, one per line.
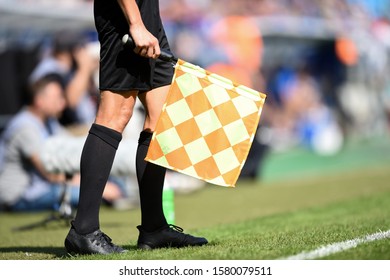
<point x="153" y="102"/>
<point x="114" y="112"/>
<point x="150" y="176"/>
<point x="116" y="109"/>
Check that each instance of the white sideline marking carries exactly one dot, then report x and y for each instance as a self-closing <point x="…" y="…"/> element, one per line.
<point x="327" y="250"/>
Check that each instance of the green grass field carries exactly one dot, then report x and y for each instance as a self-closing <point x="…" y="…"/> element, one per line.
<point x="303" y="202"/>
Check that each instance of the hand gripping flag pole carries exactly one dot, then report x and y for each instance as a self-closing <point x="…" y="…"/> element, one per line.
<point x="207" y="124"/>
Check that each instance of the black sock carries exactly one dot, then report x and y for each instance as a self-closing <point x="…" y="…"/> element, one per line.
<point x="95" y="167"/>
<point x="151" y="182"/>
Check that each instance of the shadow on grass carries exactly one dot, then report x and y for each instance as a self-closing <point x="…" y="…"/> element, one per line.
<point x="26" y="252"/>
<point x="59" y="253"/>
<point x="54" y="252"/>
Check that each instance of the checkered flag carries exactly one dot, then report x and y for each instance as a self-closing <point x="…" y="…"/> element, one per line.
<point x="206" y="127"/>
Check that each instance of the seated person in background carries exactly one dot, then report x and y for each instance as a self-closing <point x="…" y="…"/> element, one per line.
<point x="71" y="57"/>
<point x="25" y="184"/>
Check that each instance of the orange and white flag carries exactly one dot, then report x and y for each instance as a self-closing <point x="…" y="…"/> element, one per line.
<point x="207" y="126"/>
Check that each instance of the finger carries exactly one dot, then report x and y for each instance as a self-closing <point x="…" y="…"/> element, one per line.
<point x="143" y="52"/>
<point x="150" y="52"/>
<point x="137" y="50"/>
<point x="157" y="51"/>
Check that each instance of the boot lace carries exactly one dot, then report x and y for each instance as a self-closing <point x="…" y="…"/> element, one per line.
<point x="102" y="239"/>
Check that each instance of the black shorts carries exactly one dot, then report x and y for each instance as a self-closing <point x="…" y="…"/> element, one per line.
<point x="120" y="68"/>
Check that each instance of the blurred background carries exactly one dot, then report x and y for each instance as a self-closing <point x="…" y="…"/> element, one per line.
<point x="323" y="64"/>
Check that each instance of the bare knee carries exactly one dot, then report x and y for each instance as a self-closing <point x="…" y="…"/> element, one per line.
<point x="124" y="116"/>
<point x="115" y="110"/>
<point x="115" y="120"/>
